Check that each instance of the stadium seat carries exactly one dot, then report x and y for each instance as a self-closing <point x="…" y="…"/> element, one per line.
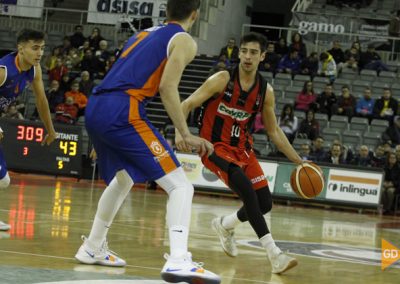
<point x="331" y="134"/>
<point x="352" y="137"/>
<point x="283" y="79"/>
<point x="359" y="124"/>
<point x="322" y="120"/>
<point x="282" y="102"/>
<point x="268" y="76"/>
<point x="387" y="77"/>
<point x="368" y="75"/>
<point x="348" y="73"/>
<point x="378" y="125"/>
<point x="359" y="85"/>
<point x="300" y="115"/>
<point x="339" y="122"/>
<point x="320" y="82"/>
<point x="300" y="141"/>
<point x="300" y="79"/>
<point x="371" y="139"/>
<point x="377" y="89"/>
<point x="291" y="92"/>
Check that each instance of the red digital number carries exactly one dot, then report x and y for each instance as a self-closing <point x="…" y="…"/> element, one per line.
<point x="21" y="132"/>
<point x="39" y="134"/>
<point x="29" y="133"/>
<point x="26" y="151"/>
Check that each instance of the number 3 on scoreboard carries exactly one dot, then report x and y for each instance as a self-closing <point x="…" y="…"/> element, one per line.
<point x="68" y="147"/>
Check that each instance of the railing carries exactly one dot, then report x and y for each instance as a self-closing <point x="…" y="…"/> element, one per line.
<point x="322" y="40"/>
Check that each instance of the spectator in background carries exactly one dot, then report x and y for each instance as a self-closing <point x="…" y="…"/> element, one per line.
<point x="58" y="71"/>
<point x="305" y="100"/>
<point x="281" y="47"/>
<point x="51" y="60"/>
<point x="290" y="63"/>
<point x="327" y="101"/>
<point x="66" y="46"/>
<point x="335" y="155"/>
<point x="102" y="53"/>
<point x="371" y="60"/>
<point x="220" y="66"/>
<point x="337" y="53"/>
<point x="363" y="158"/>
<point x="391" y="182"/>
<point x="86" y="84"/>
<point x="258" y="124"/>
<point x="67" y="112"/>
<point x="12" y="112"/>
<point x="231" y="51"/>
<point x="318" y="153"/>
<point x="352" y="58"/>
<point x="54" y="95"/>
<point x="365" y="105"/>
<point x="72" y="61"/>
<point x="394" y="31"/>
<point x="79" y="98"/>
<point x="327" y="66"/>
<point x="297" y="44"/>
<point x="392" y="133"/>
<point x="119" y="49"/>
<point x="346" y="102"/>
<point x="305" y="152"/>
<point x="91" y="64"/>
<point x="82" y="49"/>
<point x="271" y="61"/>
<point x="309" y="66"/>
<point x="77" y="39"/>
<point x="378" y="158"/>
<point x="110" y="62"/>
<point x="95" y="38"/>
<point x="386" y="106"/>
<point x="309" y="127"/>
<point x="65" y="84"/>
<point x="288" y="122"/>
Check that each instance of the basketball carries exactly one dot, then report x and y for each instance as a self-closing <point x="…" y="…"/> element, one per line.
<point x="307" y="180"/>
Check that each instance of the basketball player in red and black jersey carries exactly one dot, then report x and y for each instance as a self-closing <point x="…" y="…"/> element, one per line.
<point x="231" y="101"/>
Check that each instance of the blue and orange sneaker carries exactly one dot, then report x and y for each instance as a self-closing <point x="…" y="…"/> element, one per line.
<point x="89" y="254"/>
<point x="183" y="269"/>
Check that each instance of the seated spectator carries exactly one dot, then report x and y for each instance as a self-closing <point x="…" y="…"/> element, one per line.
<point x="305" y="152"/>
<point x="95" y="38"/>
<point x="327" y="101"/>
<point x="66" y="46"/>
<point x="58" y="71"/>
<point x="317" y="152"/>
<point x="298" y="44"/>
<point x="365" y="105"/>
<point x="392" y="133"/>
<point x="220" y="66"/>
<point x="271" y="61"/>
<point x="231" y="51"/>
<point x="363" y="158"/>
<point x="222" y="58"/>
<point x="335" y="155"/>
<point x="12" y="112"/>
<point x="258" y="124"/>
<point x="110" y="62"/>
<point x="309" y="66"/>
<point x="337" y="53"/>
<point x="86" y="84"/>
<point x="77" y="39"/>
<point x="346" y="102"/>
<point x="54" y="95"/>
<point x="67" y="112"/>
<point x="327" y="66"/>
<point x="119" y="49"/>
<point x="281" y="47"/>
<point x="305" y="100"/>
<point x="72" y="61"/>
<point x="309" y="127"/>
<point x="391" y="183"/>
<point x="79" y="98"/>
<point x="51" y="59"/>
<point x="386" y="106"/>
<point x="351" y="58"/>
<point x="92" y="64"/>
<point x="371" y="60"/>
<point x="82" y="49"/>
<point x="290" y="63"/>
<point x="288" y="122"/>
<point x="102" y="53"/>
<point x="379" y="157"/>
<point x="65" y="84"/>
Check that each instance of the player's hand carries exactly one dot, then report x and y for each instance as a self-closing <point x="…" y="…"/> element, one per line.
<point x="180" y="143"/>
<point x="200" y="145"/>
<point x="93" y="155"/>
<point x="49" y="138"/>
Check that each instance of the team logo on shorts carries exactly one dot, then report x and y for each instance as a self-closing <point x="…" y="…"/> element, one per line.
<point x="156" y="147"/>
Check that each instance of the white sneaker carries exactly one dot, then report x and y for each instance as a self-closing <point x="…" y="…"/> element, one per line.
<point x="281" y="263"/>
<point x="103" y="256"/>
<point x="4" y="226"/>
<point x="185" y="270"/>
<point x="226" y="237"/>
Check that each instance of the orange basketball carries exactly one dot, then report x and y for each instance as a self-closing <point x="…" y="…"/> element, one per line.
<point x="307" y="180"/>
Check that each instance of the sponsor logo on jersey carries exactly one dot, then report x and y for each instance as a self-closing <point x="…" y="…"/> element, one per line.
<point x="236" y="114"/>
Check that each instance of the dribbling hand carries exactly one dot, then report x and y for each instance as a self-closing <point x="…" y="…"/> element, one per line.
<point x="49" y="138"/>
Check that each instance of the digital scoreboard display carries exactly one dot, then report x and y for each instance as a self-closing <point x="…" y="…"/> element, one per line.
<point x="23" y="150"/>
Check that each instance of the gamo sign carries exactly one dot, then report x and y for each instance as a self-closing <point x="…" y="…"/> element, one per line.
<point x="306" y="27"/>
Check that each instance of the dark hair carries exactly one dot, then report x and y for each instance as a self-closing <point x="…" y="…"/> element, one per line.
<point x="255" y="37"/>
<point x="305" y="87"/>
<point x="28" y="34"/>
<point x="283" y="113"/>
<point x="300" y="38"/>
<point x="323" y="56"/>
<point x="179" y="10"/>
<point x="313" y="112"/>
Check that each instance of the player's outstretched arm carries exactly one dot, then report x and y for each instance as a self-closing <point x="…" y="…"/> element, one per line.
<point x="182" y="50"/>
<point x="211" y="87"/>
<point x="274" y="132"/>
<point x="43" y="106"/>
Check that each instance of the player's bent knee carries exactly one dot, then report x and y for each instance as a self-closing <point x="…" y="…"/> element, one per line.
<point x="124" y="179"/>
<point x="176" y="181"/>
<point x="5" y="181"/>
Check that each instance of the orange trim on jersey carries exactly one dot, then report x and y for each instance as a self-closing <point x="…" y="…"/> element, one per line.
<point x="149" y="138"/>
<point x="141" y="36"/>
<point x="17" y="64"/>
<point x="150" y="88"/>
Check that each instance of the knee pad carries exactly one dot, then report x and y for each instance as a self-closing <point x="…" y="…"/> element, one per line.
<point x="5" y="181"/>
<point x="176" y="181"/>
<point x="123" y="179"/>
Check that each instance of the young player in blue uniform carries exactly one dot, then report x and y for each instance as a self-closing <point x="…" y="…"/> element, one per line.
<point x="130" y="149"/>
<point x="17" y="71"/>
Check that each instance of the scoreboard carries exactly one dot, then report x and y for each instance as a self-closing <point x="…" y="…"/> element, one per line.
<point x="22" y="147"/>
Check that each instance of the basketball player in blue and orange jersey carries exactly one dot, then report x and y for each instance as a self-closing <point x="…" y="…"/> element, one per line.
<point x="130" y="149"/>
<point x="17" y="70"/>
<point x="231" y="102"/>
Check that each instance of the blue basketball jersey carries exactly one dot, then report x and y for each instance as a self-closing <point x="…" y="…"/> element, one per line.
<point x="138" y="70"/>
<point x="16" y="80"/>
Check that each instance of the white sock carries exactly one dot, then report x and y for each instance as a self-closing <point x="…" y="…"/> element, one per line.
<point x="178" y="236"/>
<point x="269" y="244"/>
<point x="99" y="232"/>
<point x="229" y="222"/>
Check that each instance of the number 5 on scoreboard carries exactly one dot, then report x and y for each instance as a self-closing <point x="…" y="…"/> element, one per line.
<point x="60" y="165"/>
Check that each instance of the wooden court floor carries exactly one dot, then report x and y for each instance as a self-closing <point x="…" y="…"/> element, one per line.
<point x="48" y="215"/>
